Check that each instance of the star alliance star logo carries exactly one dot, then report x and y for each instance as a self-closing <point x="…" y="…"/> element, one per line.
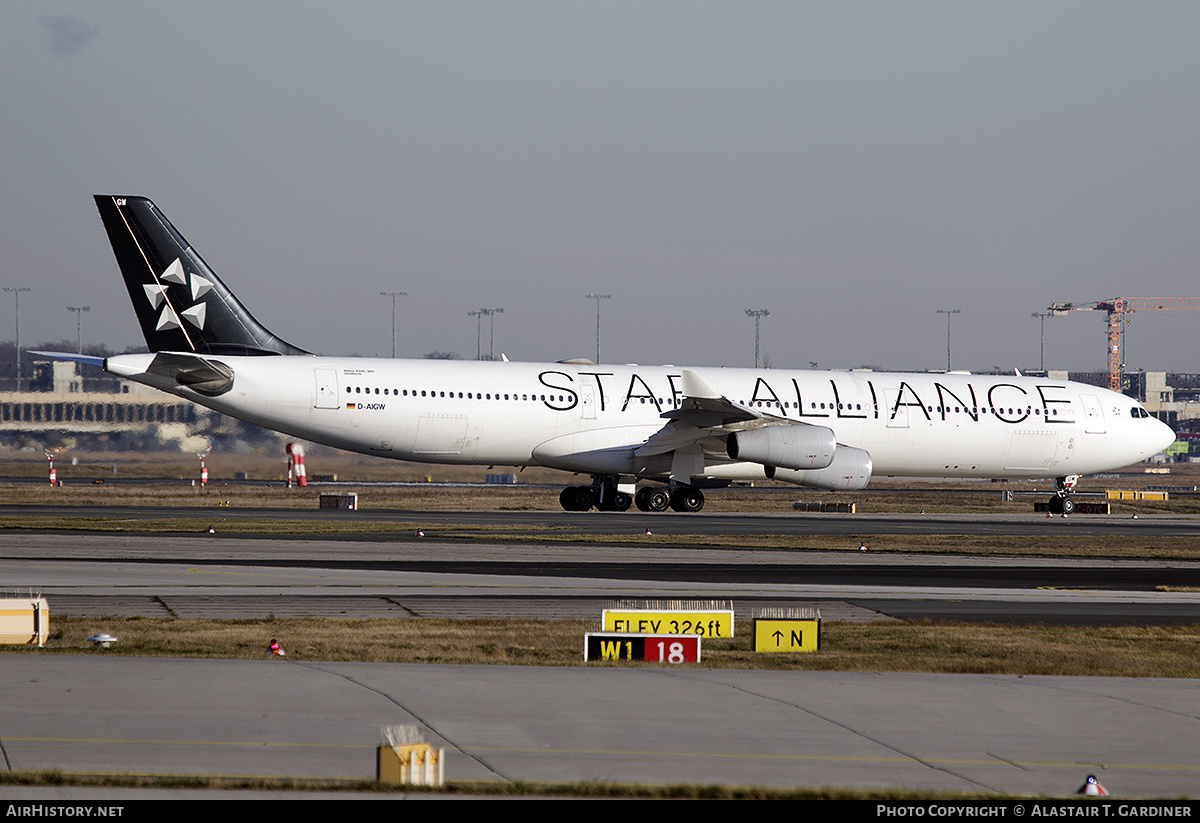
<point x="156" y="293"/>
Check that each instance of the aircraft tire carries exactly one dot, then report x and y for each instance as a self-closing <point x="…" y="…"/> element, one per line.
<point x="1068" y="505"/>
<point x="1056" y="505"/>
<point x="688" y="500"/>
<point x="652" y="499"/>
<point x="576" y="498"/>
<point x="621" y="502"/>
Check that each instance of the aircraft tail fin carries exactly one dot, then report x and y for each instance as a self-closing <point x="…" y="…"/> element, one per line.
<point x="180" y="302"/>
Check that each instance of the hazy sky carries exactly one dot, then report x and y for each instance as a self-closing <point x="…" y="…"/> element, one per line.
<point x="850" y="166"/>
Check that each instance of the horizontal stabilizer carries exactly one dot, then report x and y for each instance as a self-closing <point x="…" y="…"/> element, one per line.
<point x="86" y="359"/>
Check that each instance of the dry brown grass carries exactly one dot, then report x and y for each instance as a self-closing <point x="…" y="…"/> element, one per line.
<point x="885" y="494"/>
<point x="774" y="500"/>
<point x="1125" y="651"/>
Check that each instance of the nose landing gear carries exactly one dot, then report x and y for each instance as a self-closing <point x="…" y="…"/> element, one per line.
<point x="1061" y="502"/>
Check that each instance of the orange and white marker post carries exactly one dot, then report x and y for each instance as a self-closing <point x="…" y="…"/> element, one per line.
<point x="53" y="474"/>
<point x="203" y="468"/>
<point x="296" y="465"/>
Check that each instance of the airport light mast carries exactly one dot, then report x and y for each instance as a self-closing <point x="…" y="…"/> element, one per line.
<point x="16" y="293"/>
<point x="598" y="298"/>
<point x="757" y="314"/>
<point x="79" y="310"/>
<point x="948" y="312"/>
<point x="394" y="295"/>
<point x="1043" y="315"/>
<point x="491" y="316"/>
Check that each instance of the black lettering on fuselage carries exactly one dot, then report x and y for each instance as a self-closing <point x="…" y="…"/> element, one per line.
<point x="874" y="398"/>
<point x="1005" y="414"/>
<point x="768" y="395"/>
<point x="800" y="403"/>
<point x="635" y="379"/>
<point x="837" y="402"/>
<point x="916" y="401"/>
<point x="559" y="405"/>
<point x="1046" y="401"/>
<point x="972" y="409"/>
<point x="676" y="392"/>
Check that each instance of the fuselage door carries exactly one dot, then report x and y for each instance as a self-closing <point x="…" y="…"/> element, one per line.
<point x="897" y="414"/>
<point x="1094" y="413"/>
<point x="327" y="395"/>
<point x="587" y="398"/>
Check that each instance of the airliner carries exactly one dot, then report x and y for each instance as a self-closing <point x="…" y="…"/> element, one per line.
<point x="651" y="436"/>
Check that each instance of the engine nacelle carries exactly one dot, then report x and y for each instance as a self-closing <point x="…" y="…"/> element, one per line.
<point x="786" y="446"/>
<point x="849" y="471"/>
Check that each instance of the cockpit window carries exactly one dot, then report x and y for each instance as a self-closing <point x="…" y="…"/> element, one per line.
<point x="1138" y="412"/>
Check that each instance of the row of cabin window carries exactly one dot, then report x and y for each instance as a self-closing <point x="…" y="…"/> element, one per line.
<point x="760" y="403"/>
<point x="858" y="407"/>
<point x="468" y="396"/>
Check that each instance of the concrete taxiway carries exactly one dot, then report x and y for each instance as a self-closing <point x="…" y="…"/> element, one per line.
<point x="280" y="718"/>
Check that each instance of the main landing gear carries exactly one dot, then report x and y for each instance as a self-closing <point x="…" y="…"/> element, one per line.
<point x="605" y="495"/>
<point x="1061" y="502"/>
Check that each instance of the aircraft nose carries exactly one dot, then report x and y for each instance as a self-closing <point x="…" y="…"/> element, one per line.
<point x="1163" y="435"/>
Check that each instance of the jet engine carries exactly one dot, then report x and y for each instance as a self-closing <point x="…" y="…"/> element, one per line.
<point x="849" y="471"/>
<point x="788" y="447"/>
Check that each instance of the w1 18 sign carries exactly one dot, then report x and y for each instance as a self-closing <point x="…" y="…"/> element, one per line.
<point x="643" y="648"/>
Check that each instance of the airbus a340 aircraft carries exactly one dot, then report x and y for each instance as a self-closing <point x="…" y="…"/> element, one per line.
<point x="680" y="429"/>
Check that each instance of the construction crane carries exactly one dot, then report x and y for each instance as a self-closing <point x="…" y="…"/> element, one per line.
<point x="1117" y="308"/>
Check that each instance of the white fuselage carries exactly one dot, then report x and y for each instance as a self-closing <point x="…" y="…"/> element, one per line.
<point x="591" y="418"/>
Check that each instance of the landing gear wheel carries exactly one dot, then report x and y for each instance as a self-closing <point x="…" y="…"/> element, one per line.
<point x="652" y="499"/>
<point x="621" y="502"/>
<point x="687" y="499"/>
<point x="1062" y="504"/>
<point x="576" y="498"/>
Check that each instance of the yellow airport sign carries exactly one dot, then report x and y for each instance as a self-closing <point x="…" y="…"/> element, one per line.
<point x="716" y="623"/>
<point x="771" y="635"/>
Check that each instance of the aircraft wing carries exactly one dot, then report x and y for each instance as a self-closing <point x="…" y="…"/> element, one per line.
<point x="703" y="414"/>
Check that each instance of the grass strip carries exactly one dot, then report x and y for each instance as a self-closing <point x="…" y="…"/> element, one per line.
<point x="595" y="789"/>
<point x="899" y="646"/>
